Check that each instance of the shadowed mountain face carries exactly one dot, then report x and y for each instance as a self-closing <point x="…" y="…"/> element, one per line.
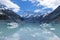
<point x="3" y="17"/>
<point x="55" y="15"/>
<point x="57" y="19"/>
<point x="8" y="15"/>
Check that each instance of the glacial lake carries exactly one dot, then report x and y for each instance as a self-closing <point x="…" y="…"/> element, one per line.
<point x="29" y="31"/>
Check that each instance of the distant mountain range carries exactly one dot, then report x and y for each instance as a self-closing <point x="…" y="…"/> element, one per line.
<point x="44" y="18"/>
<point x="6" y="14"/>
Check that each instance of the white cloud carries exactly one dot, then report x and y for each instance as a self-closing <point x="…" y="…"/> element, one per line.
<point x="48" y="3"/>
<point x="42" y="10"/>
<point x="37" y="10"/>
<point x="9" y="4"/>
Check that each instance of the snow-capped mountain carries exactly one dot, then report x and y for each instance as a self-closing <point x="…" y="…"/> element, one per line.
<point x="36" y="17"/>
<point x="28" y="14"/>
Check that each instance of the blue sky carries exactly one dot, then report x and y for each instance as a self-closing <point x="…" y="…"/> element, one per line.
<point x="42" y="6"/>
<point x="28" y="6"/>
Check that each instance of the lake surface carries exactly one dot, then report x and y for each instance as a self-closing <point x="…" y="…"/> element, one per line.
<point x="29" y="31"/>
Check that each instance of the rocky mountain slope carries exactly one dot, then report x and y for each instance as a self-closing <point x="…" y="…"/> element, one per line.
<point x="8" y="15"/>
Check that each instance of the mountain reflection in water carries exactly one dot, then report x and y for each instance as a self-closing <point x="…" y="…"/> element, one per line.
<point x="29" y="31"/>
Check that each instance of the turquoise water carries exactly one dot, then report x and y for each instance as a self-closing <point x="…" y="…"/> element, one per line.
<point x="29" y="31"/>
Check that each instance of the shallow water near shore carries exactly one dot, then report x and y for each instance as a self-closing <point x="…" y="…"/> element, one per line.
<point x="29" y="31"/>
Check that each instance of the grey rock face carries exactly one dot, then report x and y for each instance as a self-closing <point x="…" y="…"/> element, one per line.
<point x="8" y="15"/>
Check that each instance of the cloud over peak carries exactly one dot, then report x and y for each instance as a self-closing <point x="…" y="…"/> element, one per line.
<point x="9" y="4"/>
<point x="50" y="3"/>
<point x="47" y="3"/>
